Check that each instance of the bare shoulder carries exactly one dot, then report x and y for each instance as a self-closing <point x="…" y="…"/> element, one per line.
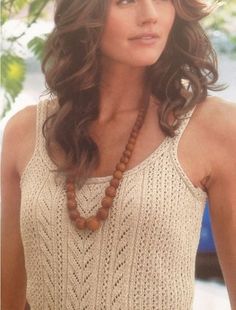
<point x="19" y="135"/>
<point x="19" y="123"/>
<point x="216" y="119"/>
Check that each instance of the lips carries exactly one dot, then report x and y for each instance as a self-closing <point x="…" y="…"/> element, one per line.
<point x="145" y="36"/>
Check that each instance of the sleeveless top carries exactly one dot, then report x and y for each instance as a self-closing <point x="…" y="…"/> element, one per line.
<point x="142" y="257"/>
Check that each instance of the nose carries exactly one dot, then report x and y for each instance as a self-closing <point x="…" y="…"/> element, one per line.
<point x="147" y="12"/>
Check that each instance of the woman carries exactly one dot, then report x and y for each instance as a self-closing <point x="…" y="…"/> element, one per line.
<point x="105" y="184"/>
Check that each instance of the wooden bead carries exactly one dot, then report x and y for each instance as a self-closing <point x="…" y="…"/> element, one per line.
<point x="111" y="191"/>
<point x="124" y="160"/>
<point x="134" y="134"/>
<point x="70" y="187"/>
<point x="80" y="223"/>
<point x="118" y="174"/>
<point x="115" y="182"/>
<point x="71" y="204"/>
<point x="129" y="147"/>
<point x="127" y="153"/>
<point x="140" y="118"/>
<point x="70" y="195"/>
<point x="93" y="223"/>
<point x="121" y="167"/>
<point x="132" y="140"/>
<point x="107" y="202"/>
<point x="74" y="214"/>
<point x="70" y="179"/>
<point x="137" y="127"/>
<point x="102" y="213"/>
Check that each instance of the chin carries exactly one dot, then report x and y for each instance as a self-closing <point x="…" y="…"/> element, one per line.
<point x="146" y="59"/>
<point x="143" y="62"/>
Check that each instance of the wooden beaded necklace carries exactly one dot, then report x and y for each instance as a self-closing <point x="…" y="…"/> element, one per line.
<point x="94" y="222"/>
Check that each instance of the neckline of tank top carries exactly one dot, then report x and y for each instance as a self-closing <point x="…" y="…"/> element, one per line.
<point x="158" y="151"/>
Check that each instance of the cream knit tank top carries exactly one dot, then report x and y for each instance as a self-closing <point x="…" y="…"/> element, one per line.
<point x="142" y="258"/>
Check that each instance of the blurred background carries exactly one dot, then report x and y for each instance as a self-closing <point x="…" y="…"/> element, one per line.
<point x="25" y="25"/>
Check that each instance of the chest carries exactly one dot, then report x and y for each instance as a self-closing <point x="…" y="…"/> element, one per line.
<point x="112" y="140"/>
<point x="144" y="228"/>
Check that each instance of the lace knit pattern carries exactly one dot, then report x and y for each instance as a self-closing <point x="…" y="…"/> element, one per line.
<point x="142" y="258"/>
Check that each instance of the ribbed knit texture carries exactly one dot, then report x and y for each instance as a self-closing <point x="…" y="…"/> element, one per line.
<point x="142" y="258"/>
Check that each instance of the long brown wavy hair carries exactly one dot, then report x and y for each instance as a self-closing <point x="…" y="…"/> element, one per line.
<point x="72" y="70"/>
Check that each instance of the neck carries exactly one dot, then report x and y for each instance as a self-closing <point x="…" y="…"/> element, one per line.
<point x="122" y="91"/>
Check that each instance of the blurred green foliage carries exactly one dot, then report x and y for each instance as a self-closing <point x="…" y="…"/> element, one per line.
<point x="223" y="18"/>
<point x="222" y="23"/>
<point x="13" y="66"/>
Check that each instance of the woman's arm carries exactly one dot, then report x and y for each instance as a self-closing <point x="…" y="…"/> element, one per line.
<point x="222" y="194"/>
<point x="13" y="273"/>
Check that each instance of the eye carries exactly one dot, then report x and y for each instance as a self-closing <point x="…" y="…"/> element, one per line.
<point x="124" y="1"/>
<point x="127" y="1"/>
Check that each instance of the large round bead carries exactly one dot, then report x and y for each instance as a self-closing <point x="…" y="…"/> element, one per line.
<point x="107" y="202"/>
<point x="118" y="174"/>
<point x="74" y="214"/>
<point x="115" y="182"/>
<point x="70" y="195"/>
<point x="102" y="213"/>
<point x="121" y="166"/>
<point x="110" y="191"/>
<point x="70" y="187"/>
<point x="71" y="204"/>
<point x="80" y="223"/>
<point x="93" y="223"/>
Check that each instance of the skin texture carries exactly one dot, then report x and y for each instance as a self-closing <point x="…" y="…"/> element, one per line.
<point x="206" y="150"/>
<point x="123" y="60"/>
<point x="128" y="18"/>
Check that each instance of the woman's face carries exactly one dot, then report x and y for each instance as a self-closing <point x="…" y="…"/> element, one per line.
<point x="130" y="18"/>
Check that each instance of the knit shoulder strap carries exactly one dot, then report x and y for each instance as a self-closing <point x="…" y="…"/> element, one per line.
<point x="42" y="114"/>
<point x="44" y="109"/>
<point x="197" y="192"/>
<point x="184" y="123"/>
<point x="41" y="117"/>
<point x="39" y="149"/>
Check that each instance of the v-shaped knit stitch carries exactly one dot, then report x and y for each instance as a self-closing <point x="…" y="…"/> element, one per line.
<point x="142" y="258"/>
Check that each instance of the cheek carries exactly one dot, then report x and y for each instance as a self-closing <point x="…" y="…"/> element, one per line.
<point x="115" y="43"/>
<point x="170" y="21"/>
<point x="114" y="32"/>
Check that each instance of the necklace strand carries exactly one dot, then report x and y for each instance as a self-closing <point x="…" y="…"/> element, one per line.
<point x="93" y="223"/>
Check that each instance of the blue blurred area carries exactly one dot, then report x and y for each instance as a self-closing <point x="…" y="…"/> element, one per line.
<point x="206" y="244"/>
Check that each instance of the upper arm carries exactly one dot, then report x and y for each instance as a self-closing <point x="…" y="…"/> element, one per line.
<point x="12" y="254"/>
<point x="222" y="195"/>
